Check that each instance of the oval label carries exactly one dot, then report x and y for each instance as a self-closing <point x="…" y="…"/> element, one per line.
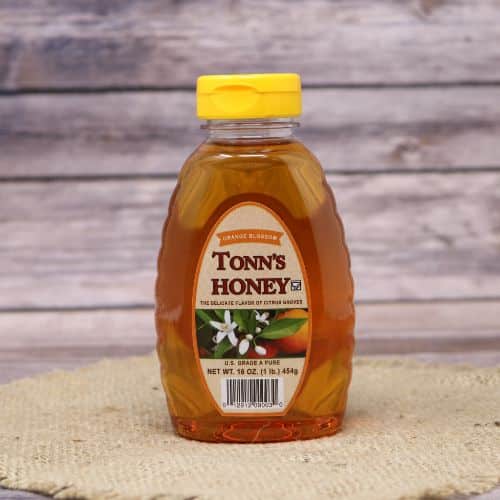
<point x="252" y="324"/>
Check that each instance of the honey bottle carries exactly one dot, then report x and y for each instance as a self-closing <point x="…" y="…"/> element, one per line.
<point x="254" y="295"/>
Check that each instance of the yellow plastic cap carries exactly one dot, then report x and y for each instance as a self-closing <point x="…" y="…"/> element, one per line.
<point x="267" y="95"/>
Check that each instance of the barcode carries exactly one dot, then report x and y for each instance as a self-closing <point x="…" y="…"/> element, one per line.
<point x="252" y="393"/>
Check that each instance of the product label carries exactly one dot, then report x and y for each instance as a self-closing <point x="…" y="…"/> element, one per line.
<point x="251" y="318"/>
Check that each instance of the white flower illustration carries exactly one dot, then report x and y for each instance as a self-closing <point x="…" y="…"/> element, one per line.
<point x="261" y="351"/>
<point x="245" y="345"/>
<point x="262" y="318"/>
<point x="225" y="329"/>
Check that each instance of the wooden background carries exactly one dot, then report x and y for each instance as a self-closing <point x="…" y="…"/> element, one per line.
<point x="401" y="105"/>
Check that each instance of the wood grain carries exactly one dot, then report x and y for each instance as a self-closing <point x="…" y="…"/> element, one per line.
<point x="153" y="132"/>
<point x="21" y="495"/>
<point x="105" y="43"/>
<point x="462" y="331"/>
<point x="449" y="322"/>
<point x="94" y="243"/>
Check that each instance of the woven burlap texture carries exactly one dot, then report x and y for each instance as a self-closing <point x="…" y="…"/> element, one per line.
<point x="412" y="430"/>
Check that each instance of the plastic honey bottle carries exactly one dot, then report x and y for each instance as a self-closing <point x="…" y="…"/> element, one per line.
<point x="254" y="295"/>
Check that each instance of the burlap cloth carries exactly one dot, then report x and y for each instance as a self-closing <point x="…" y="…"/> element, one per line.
<point x="412" y="430"/>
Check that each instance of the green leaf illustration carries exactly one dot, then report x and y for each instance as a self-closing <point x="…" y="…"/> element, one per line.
<point x="219" y="313"/>
<point x="282" y="328"/>
<point x="204" y="336"/>
<point x="203" y="316"/>
<point x="252" y="322"/>
<point x="222" y="348"/>
<point x="241" y="317"/>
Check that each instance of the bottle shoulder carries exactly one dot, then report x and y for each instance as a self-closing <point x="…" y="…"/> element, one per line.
<point x="250" y="155"/>
<point x="283" y="174"/>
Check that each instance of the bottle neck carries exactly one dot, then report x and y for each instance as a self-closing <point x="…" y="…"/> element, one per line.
<point x="250" y="130"/>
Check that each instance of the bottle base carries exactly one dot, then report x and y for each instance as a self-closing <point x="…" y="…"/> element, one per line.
<point x="256" y="430"/>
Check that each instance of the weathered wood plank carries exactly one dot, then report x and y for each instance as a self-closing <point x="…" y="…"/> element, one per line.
<point x="107" y="43"/>
<point x="20" y="495"/>
<point x="95" y="331"/>
<point x="460" y="332"/>
<point x="95" y="243"/>
<point x="144" y="133"/>
<point x="20" y="366"/>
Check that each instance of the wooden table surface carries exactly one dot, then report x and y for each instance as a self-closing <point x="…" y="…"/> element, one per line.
<point x="401" y="105"/>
